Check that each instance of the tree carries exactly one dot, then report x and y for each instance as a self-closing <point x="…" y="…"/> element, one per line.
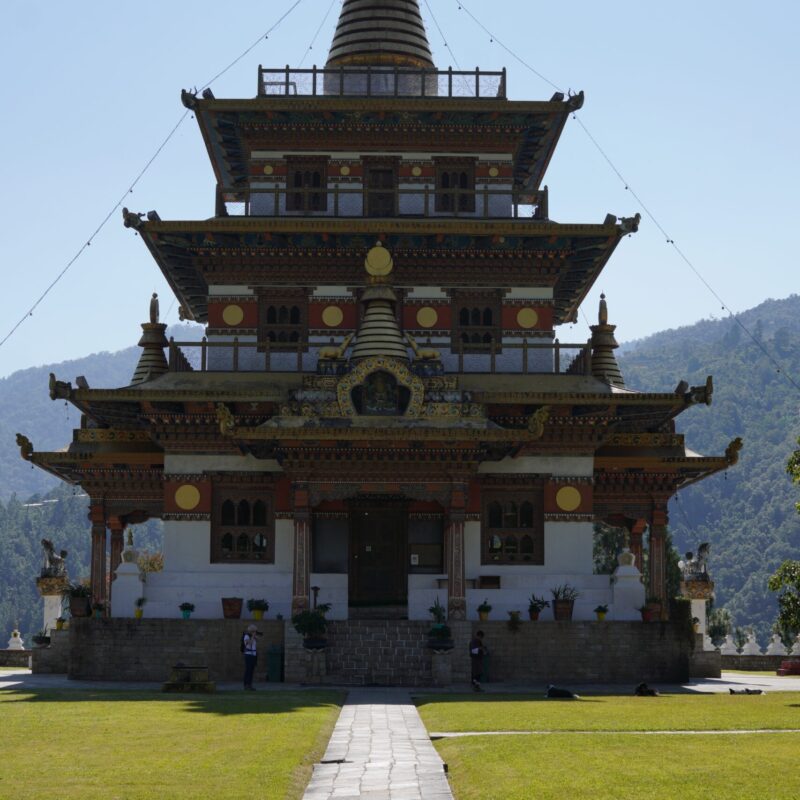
<point x="786" y="580"/>
<point x="793" y="468"/>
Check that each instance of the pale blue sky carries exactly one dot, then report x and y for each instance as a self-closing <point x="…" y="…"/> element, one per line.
<point x="695" y="102"/>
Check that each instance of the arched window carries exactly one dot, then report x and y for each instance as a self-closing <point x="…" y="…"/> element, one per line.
<point x="243" y="513"/>
<point x="455" y="186"/>
<point x="243" y="543"/>
<point x="259" y="544"/>
<point x="475" y="316"/>
<point x="309" y="177"/>
<point x="487" y="317"/>
<point x="512" y="527"/>
<point x="227" y="543"/>
<point x="495" y="515"/>
<point x="510" y="514"/>
<point x="283" y="315"/>
<point x="463" y="316"/>
<point x="526" y="515"/>
<point x="242" y="526"/>
<point x="272" y="315"/>
<point x="294" y="316"/>
<point x="228" y="515"/>
<point x="511" y="546"/>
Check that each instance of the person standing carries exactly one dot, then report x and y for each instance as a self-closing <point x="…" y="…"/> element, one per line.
<point x="477" y="650"/>
<point x="250" y="649"/>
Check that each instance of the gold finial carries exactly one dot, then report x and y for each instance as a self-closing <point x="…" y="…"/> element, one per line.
<point x="603" y="315"/>
<point x="154" y="309"/>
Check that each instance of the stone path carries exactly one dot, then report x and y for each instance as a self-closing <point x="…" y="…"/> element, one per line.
<point x="379" y="750"/>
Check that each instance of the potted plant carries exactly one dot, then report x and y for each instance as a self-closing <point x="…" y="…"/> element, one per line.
<point x="536" y="605"/>
<point x="440" y="636"/>
<point x="601" y="612"/>
<point x="80" y="599"/>
<point x="311" y="625"/>
<point x="696" y="624"/>
<point x="483" y="610"/>
<point x="98" y="609"/>
<point x="60" y="624"/>
<point x="186" y="609"/>
<point x="654" y="604"/>
<point x="232" y="607"/>
<point x="138" y="612"/>
<point x="514" y="620"/>
<point x="257" y="608"/>
<point x="563" y="602"/>
<point x="41" y="638"/>
<point x="646" y="612"/>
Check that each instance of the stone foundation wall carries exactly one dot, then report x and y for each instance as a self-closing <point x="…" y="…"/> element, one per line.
<point x="586" y="652"/>
<point x="755" y="663"/>
<point x="145" y="650"/>
<point x="53" y="659"/>
<point x="15" y="658"/>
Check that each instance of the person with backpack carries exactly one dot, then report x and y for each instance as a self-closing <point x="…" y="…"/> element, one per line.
<point x="249" y="648"/>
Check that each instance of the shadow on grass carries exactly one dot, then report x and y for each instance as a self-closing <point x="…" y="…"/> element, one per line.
<point x="223" y="704"/>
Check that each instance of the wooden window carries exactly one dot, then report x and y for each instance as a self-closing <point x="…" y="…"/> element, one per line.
<point x="512" y="528"/>
<point x="307" y="184"/>
<point x="283" y="319"/>
<point x="242" y="526"/>
<point x="455" y="186"/>
<point x="476" y="321"/>
<point x="380" y="188"/>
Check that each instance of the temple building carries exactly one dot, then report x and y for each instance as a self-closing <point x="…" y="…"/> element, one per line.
<point x="381" y="407"/>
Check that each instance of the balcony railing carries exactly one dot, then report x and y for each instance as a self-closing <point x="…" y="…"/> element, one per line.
<point x="527" y="358"/>
<point x="381" y="82"/>
<point x="402" y="201"/>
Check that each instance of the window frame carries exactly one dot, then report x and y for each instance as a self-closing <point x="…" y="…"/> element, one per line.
<point x="302" y="198"/>
<point x="470" y="302"/>
<point x="238" y="495"/>
<point x="535" y="531"/>
<point x="450" y="200"/>
<point x="294" y="335"/>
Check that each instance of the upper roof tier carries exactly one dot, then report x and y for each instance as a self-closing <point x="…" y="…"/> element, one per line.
<point x="378" y="33"/>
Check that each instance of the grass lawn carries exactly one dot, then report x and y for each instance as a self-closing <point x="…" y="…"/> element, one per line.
<point x="130" y="745"/>
<point x="578" y="761"/>
<point x="669" y="712"/>
<point x="623" y="767"/>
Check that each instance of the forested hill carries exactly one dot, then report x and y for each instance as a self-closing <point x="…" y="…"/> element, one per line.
<point x="27" y="409"/>
<point x="748" y="514"/>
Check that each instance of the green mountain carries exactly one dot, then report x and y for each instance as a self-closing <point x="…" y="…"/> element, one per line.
<point x="748" y="513"/>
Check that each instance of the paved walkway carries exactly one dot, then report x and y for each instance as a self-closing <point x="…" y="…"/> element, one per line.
<point x="379" y="750"/>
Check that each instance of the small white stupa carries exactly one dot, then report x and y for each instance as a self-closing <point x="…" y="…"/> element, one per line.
<point x="751" y="647"/>
<point x="729" y="646"/>
<point x="15" y="642"/>
<point x="776" y="646"/>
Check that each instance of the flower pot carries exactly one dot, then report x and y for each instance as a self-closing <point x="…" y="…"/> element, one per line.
<point x="258" y="613"/>
<point x="138" y="613"/>
<point x="601" y="615"/>
<point x="533" y="615"/>
<point x="483" y="616"/>
<point x="440" y="645"/>
<point x="80" y="606"/>
<point x="562" y="610"/>
<point x="647" y="614"/>
<point x="315" y="642"/>
<point x="59" y="624"/>
<point x="186" y="614"/>
<point x="232" y="607"/>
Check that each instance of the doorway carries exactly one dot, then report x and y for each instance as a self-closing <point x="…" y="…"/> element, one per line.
<point x="378" y="545"/>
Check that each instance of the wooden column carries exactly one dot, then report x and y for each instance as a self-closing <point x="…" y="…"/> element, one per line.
<point x="97" y="515"/>
<point x="454" y="537"/>
<point x="657" y="584"/>
<point x="302" y="549"/>
<point x="117" y="527"/>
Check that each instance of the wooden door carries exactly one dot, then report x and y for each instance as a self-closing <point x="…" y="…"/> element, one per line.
<point x="378" y="572"/>
<point x="381" y="183"/>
